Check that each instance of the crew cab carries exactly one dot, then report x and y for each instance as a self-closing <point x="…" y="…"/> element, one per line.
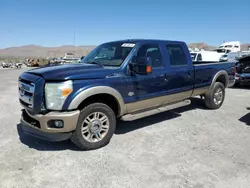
<point x="119" y="80"/>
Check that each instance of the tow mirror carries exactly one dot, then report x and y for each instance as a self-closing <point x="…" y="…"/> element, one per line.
<point x="141" y="65"/>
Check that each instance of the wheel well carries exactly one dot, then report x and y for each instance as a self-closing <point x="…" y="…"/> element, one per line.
<point x="102" y="98"/>
<point x="222" y="79"/>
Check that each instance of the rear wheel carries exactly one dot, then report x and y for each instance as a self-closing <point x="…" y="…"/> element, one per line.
<point x="95" y="128"/>
<point x="215" y="98"/>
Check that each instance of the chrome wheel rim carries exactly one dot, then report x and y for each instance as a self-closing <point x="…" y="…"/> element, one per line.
<point x="218" y="96"/>
<point x="95" y="127"/>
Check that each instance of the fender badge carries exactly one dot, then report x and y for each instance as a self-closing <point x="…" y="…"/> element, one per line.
<point x="130" y="94"/>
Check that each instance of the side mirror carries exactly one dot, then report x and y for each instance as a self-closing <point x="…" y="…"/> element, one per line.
<point x="141" y="65"/>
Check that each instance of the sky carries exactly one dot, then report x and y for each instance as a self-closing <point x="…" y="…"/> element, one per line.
<point x="91" y="22"/>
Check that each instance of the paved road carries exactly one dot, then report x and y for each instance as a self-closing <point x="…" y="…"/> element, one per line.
<point x="188" y="147"/>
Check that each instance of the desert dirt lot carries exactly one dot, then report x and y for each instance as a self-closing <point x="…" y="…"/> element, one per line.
<point x="187" y="147"/>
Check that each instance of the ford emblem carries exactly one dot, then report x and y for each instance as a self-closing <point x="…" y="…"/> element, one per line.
<point x="22" y="92"/>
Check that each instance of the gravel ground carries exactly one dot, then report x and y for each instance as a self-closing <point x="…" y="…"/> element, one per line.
<point x="187" y="147"/>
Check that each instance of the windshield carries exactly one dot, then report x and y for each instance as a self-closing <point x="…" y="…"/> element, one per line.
<point x="193" y="56"/>
<point x="221" y="50"/>
<point x="109" y="54"/>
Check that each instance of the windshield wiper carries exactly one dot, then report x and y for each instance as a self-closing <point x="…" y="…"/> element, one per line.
<point x="93" y="62"/>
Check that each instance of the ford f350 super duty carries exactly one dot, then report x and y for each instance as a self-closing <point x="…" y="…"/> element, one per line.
<point x="126" y="79"/>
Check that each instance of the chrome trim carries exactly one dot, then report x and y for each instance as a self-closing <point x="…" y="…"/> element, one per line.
<point x="26" y="99"/>
<point x="26" y="88"/>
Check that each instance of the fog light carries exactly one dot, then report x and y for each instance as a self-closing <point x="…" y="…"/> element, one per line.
<point x="56" y="124"/>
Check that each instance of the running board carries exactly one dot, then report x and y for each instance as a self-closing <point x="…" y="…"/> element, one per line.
<point x="134" y="116"/>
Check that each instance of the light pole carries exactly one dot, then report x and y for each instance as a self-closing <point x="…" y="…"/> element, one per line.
<point x="74" y="41"/>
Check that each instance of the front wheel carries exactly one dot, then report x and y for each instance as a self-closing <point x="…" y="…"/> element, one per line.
<point x="215" y="98"/>
<point x="96" y="126"/>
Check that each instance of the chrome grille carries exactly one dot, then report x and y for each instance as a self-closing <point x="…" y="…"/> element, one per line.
<point x="26" y="93"/>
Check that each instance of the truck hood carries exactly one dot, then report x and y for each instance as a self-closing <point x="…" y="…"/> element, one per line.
<point x="72" y="72"/>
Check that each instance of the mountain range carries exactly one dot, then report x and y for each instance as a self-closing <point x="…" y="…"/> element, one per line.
<point x="43" y="52"/>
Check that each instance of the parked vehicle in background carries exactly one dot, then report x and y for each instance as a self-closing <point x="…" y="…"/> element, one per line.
<point x="228" y="47"/>
<point x="28" y="64"/>
<point x="205" y="56"/>
<point x="233" y="56"/>
<point x="222" y="51"/>
<point x="7" y="65"/>
<point x="224" y="58"/>
<point x="242" y="75"/>
<point x="4" y="65"/>
<point x="72" y="60"/>
<point x="134" y="79"/>
<point x="233" y="46"/>
<point x="18" y="65"/>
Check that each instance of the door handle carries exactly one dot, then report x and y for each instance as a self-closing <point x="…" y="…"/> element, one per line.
<point x="189" y="74"/>
<point x="165" y="77"/>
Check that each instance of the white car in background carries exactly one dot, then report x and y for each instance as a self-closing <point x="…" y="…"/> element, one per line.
<point x="6" y="65"/>
<point x="233" y="56"/>
<point x="205" y="56"/>
<point x="224" y="58"/>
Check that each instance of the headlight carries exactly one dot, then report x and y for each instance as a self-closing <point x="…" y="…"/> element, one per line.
<point x="56" y="94"/>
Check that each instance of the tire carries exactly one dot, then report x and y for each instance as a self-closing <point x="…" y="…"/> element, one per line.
<point x="94" y="136"/>
<point x="211" y="101"/>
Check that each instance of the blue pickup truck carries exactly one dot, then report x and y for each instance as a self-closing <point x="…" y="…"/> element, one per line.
<point x="126" y="79"/>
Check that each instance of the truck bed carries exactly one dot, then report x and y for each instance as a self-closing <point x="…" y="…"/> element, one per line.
<point x="205" y="72"/>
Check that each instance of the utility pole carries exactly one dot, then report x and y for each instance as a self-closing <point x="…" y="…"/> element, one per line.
<point x="74" y="41"/>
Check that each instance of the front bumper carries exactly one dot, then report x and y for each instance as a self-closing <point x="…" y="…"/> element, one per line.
<point x="38" y="126"/>
<point x="53" y="137"/>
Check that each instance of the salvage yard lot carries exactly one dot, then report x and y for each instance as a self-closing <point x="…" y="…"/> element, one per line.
<point x="187" y="147"/>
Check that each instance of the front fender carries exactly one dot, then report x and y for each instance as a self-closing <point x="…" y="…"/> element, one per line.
<point x="98" y="90"/>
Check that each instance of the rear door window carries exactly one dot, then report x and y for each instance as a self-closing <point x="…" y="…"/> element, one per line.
<point x="176" y="55"/>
